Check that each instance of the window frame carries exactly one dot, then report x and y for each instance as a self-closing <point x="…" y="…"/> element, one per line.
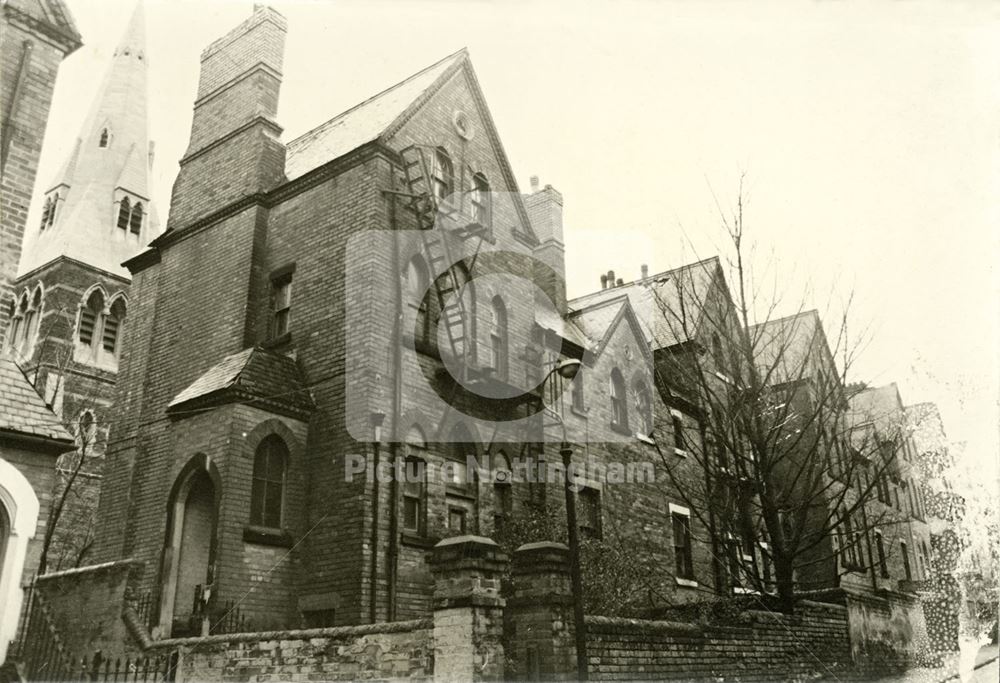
<point x="618" y="393"/>
<point x="683" y="551"/>
<point x="261" y="515"/>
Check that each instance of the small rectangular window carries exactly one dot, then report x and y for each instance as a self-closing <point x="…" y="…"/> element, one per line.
<point x="683" y="563"/>
<point x="457" y="520"/>
<point x="578" y="399"/>
<point x="282" y="305"/>
<point x="413" y="496"/>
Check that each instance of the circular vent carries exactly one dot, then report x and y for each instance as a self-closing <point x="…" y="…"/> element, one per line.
<point x="463" y="125"/>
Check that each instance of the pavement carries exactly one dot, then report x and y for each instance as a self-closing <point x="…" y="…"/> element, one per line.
<point x="970" y="666"/>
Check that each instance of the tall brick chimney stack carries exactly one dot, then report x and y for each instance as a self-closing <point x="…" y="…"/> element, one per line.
<point x="235" y="147"/>
<point x="545" y="209"/>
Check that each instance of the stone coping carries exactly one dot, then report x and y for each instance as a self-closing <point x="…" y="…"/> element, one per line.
<point x="299" y="634"/>
<point x="91" y="569"/>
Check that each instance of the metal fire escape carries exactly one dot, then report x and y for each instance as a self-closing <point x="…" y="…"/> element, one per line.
<point x="442" y="221"/>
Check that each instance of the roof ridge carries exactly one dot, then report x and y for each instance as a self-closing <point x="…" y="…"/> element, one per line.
<point x="462" y="51"/>
<point x="654" y="276"/>
<point x="785" y="318"/>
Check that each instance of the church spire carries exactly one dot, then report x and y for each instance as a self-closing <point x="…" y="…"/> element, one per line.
<point x="97" y="210"/>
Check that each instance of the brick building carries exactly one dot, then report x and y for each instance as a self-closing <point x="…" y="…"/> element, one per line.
<point x="35" y="36"/>
<point x="71" y="292"/>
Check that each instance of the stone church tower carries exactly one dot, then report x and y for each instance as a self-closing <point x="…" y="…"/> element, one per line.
<point x="71" y="295"/>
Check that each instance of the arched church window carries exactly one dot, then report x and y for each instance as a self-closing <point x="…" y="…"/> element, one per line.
<point x="481" y="200"/>
<point x="111" y="337"/>
<point x="268" y="491"/>
<point x="416" y="283"/>
<point x="47" y="213"/>
<point x="619" y="402"/>
<point x="124" y="213"/>
<point x="89" y="317"/>
<point x="135" y="222"/>
<point x="443" y="175"/>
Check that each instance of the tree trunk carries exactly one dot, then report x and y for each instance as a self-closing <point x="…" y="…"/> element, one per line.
<point x="783" y="575"/>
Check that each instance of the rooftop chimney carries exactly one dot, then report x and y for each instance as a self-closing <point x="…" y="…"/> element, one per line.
<point x="645" y="271"/>
<point x="619" y="282"/>
<point x="611" y="278"/>
<point x="545" y="211"/>
<point x="234" y="134"/>
<point x="604" y="281"/>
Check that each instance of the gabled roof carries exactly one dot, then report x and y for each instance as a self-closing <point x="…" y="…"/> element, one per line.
<point x="254" y="375"/>
<point x="599" y="322"/>
<point x="22" y="410"/>
<point x="787" y="347"/>
<point x="657" y="301"/>
<point x="880" y="406"/>
<point x="364" y="122"/>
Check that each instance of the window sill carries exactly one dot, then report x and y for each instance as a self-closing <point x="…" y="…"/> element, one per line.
<point x="621" y="429"/>
<point x="725" y="378"/>
<point x="416" y="540"/>
<point x="579" y="412"/>
<point x="739" y="590"/>
<point x="680" y="452"/>
<point x="275" y="342"/>
<point x="687" y="583"/>
<point x="645" y="439"/>
<point x="266" y="536"/>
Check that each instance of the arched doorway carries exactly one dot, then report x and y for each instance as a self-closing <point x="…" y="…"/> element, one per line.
<point x="189" y="557"/>
<point x="18" y="520"/>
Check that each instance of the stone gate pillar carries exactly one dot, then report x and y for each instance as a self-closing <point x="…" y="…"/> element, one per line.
<point x="468" y="609"/>
<point x="540" y="635"/>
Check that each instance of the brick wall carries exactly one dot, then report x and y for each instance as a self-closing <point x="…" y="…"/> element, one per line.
<point x="766" y="647"/>
<point x="398" y="651"/>
<point x="85" y="606"/>
<point x="22" y="42"/>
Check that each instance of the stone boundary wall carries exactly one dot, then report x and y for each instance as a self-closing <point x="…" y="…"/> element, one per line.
<point x="85" y="606"/>
<point x="812" y="643"/>
<point x="402" y="650"/>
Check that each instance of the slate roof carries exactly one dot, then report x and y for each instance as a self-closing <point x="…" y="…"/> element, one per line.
<point x="22" y="410"/>
<point x="881" y="406"/>
<point x="254" y="375"/>
<point x="362" y="123"/>
<point x="786" y="347"/>
<point x="649" y="298"/>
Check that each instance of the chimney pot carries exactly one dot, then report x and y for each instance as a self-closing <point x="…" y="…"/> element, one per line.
<point x="534" y="183"/>
<point x="645" y="271"/>
<point x="611" y="278"/>
<point x="619" y="282"/>
<point x="604" y="281"/>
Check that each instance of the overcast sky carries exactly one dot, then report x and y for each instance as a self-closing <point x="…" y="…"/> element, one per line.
<point x="868" y="136"/>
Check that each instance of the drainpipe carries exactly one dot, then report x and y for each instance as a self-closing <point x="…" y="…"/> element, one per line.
<point x="376" y="422"/>
<point x="397" y="401"/>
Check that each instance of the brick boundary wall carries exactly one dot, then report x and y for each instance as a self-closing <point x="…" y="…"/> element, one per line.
<point x="402" y="650"/>
<point x="812" y="643"/>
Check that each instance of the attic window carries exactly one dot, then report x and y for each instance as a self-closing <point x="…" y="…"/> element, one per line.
<point x="104" y="138"/>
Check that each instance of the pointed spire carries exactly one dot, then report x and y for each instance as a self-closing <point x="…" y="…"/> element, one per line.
<point x="110" y="162"/>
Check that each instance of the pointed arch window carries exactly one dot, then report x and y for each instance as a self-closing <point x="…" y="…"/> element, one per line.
<point x="135" y="222"/>
<point x="268" y="492"/>
<point x="29" y="331"/>
<point x="49" y="212"/>
<point x="442" y="178"/>
<point x="124" y="213"/>
<point x="90" y="315"/>
<point x="480" y="200"/>
<point x="18" y="326"/>
<point x="498" y="338"/>
<point x="111" y="335"/>
<point x="619" y="404"/>
<point x="416" y="284"/>
<point x="643" y="407"/>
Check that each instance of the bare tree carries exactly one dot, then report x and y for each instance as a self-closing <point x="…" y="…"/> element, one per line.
<point x="788" y="464"/>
